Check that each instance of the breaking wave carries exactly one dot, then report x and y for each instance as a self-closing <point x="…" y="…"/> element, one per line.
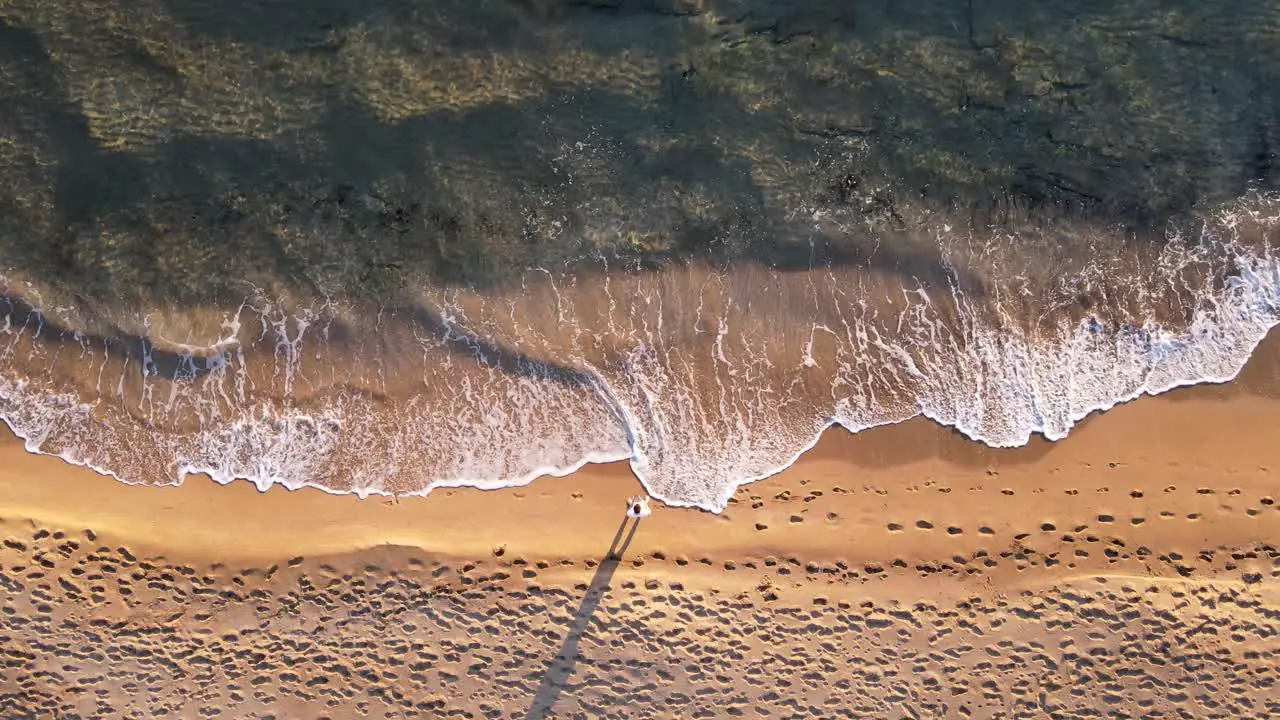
<point x="703" y="377"/>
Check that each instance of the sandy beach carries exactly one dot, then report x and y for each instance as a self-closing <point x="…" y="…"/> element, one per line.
<point x="905" y="571"/>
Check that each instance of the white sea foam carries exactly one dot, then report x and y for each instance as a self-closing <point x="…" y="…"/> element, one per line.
<point x="998" y="384"/>
<point x="703" y="381"/>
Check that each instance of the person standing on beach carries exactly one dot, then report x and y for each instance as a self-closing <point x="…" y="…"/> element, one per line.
<point x="638" y="507"/>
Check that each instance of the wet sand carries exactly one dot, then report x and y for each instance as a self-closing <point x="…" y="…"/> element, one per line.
<point x="1128" y="570"/>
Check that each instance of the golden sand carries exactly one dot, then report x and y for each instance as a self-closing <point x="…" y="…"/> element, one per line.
<point x="1130" y="570"/>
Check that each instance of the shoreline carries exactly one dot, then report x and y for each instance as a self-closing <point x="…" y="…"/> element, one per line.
<point x="552" y="515"/>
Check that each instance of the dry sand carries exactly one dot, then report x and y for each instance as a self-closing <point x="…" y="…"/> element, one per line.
<point x="1130" y="570"/>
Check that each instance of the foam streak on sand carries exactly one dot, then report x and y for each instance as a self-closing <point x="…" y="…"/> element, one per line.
<point x="704" y="378"/>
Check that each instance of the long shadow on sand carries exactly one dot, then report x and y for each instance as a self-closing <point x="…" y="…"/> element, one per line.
<point x="562" y="665"/>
